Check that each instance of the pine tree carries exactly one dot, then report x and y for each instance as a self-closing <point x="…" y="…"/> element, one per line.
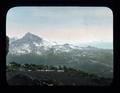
<point x="7" y="45"/>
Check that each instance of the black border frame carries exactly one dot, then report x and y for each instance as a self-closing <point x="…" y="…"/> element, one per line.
<point x="7" y="4"/>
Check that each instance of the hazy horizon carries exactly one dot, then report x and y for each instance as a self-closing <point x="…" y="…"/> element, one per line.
<point x="97" y="44"/>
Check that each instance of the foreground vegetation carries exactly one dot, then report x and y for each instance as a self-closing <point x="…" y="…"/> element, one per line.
<point x="55" y="75"/>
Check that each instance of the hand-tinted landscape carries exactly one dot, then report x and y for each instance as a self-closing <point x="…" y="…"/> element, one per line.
<point x="49" y="49"/>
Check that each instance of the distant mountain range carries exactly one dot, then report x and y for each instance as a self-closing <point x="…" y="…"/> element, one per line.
<point x="34" y="49"/>
<point x="31" y="43"/>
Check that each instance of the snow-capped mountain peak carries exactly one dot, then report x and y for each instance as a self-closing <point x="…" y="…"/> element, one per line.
<point x="31" y="43"/>
<point x="31" y="37"/>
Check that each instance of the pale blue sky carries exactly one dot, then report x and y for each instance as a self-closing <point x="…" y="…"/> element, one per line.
<point x="62" y="23"/>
